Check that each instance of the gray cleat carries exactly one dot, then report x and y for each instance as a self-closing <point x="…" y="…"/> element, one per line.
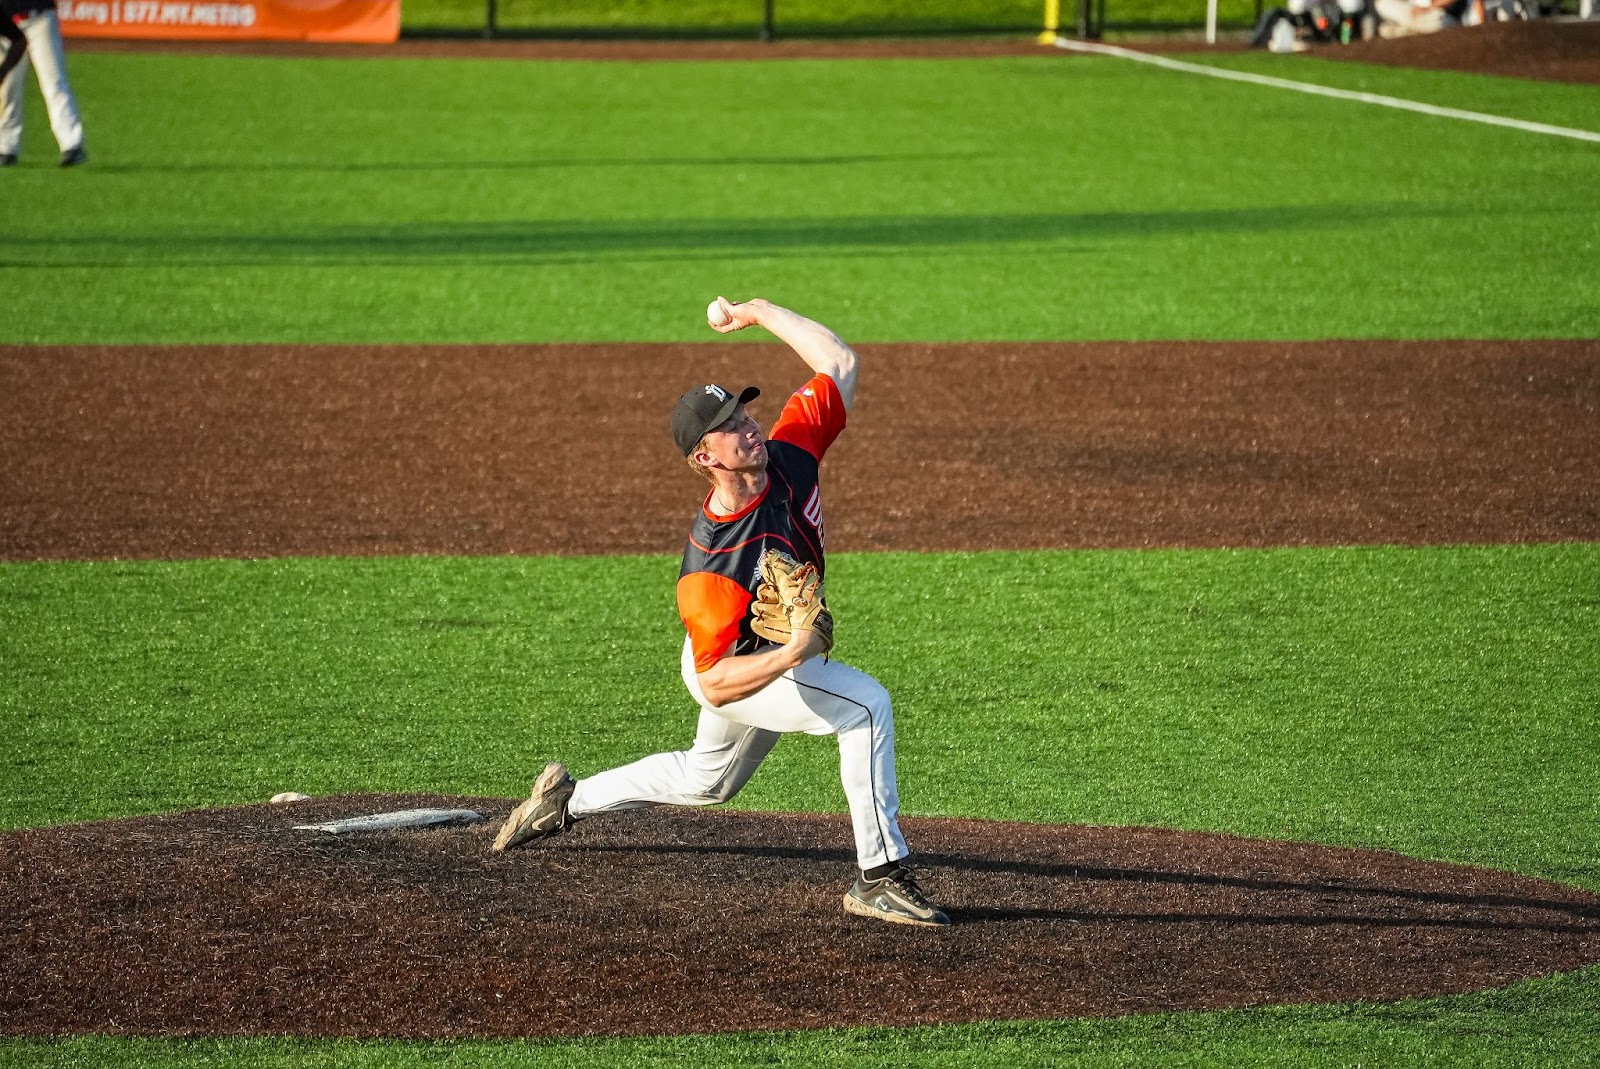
<point x="895" y="898"/>
<point x="544" y="813"/>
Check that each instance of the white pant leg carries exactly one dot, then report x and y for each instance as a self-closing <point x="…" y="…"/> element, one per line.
<point x="11" y="106"/>
<point x="1407" y="18"/>
<point x="50" y="64"/>
<point x="724" y="757"/>
<point x="824" y="697"/>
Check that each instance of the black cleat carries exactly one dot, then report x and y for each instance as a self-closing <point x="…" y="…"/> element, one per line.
<point x="895" y="898"/>
<point x="74" y="156"/>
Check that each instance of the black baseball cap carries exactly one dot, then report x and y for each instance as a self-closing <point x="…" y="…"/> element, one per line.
<point x="701" y="409"/>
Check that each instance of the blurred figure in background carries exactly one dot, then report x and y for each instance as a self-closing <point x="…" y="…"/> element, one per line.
<point x="1294" y="26"/>
<point x="1405" y="18"/>
<point x="32" y="32"/>
<point x="1358" y="21"/>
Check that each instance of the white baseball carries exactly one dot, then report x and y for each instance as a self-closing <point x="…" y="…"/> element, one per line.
<point x="716" y="315"/>
<point x="290" y="796"/>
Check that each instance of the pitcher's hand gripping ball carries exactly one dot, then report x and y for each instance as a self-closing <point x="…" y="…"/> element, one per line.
<point x="717" y="314"/>
<point x="789" y="599"/>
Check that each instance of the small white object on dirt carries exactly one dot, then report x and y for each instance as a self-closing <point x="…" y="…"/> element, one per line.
<point x="290" y="796"/>
<point x="403" y="818"/>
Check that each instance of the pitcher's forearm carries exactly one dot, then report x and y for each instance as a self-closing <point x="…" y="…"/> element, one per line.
<point x="822" y="350"/>
<point x="734" y="679"/>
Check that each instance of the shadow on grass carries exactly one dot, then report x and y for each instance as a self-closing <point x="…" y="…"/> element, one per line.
<point x="570" y="240"/>
<point x="328" y="166"/>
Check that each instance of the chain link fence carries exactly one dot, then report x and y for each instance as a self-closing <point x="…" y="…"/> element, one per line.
<point x="769" y="19"/>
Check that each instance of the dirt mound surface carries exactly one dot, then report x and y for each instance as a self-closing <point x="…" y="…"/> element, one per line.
<point x="1548" y="49"/>
<point x="230" y="922"/>
<point x="261" y="451"/>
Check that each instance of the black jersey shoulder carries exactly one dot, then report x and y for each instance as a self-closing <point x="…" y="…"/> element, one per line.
<point x="733" y="548"/>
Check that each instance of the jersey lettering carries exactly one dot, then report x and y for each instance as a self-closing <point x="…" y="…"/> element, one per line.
<point x="813" y="513"/>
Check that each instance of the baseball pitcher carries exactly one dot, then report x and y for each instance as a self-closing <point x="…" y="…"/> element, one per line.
<point x="752" y="599"/>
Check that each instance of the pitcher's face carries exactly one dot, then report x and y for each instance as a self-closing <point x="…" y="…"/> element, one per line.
<point x="737" y="444"/>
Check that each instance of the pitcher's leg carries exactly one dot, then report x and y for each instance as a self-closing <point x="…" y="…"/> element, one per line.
<point x="824" y="697"/>
<point x="50" y="63"/>
<point x="724" y="757"/>
<point x="11" y="108"/>
<point x="863" y="716"/>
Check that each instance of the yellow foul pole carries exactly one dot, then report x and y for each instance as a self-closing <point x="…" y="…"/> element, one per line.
<point x="1052" y="22"/>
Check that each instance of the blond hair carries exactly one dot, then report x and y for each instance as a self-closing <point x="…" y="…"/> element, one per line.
<point x="700" y="447"/>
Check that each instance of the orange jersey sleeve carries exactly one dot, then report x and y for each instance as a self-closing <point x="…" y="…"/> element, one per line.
<point x="712" y="607"/>
<point x="813" y="416"/>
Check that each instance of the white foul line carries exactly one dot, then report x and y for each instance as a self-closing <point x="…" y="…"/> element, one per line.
<point x="1322" y="90"/>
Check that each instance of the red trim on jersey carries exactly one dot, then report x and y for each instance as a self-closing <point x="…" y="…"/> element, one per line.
<point x="758" y="538"/>
<point x="812" y="417"/>
<point x="711" y="607"/>
<point x="705" y="506"/>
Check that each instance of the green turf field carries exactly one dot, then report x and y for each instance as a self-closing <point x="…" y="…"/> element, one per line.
<point x="1436" y="702"/>
<point x="1439" y="702"/>
<point x="1034" y="198"/>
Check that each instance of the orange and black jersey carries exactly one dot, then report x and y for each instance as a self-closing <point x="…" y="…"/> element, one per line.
<point x="720" y="564"/>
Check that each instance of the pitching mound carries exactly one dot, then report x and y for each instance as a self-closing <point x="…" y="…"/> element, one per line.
<point x="229" y="922"/>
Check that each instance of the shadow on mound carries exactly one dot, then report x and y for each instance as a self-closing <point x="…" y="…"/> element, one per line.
<point x="230" y="922"/>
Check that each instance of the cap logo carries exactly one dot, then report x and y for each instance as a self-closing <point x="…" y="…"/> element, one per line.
<point x="718" y="392"/>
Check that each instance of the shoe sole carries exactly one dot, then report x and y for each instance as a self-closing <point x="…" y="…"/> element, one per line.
<point x="852" y="904"/>
<point x="554" y="775"/>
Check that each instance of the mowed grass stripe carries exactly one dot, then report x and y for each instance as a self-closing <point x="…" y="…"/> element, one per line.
<point x="1041" y="198"/>
<point x="1438" y="702"/>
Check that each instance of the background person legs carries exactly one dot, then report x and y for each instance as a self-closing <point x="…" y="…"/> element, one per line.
<point x="11" y="108"/>
<point x="50" y="64"/>
<point x="1402" y="18"/>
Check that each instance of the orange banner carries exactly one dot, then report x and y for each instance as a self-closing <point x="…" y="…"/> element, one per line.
<point x="364" y="21"/>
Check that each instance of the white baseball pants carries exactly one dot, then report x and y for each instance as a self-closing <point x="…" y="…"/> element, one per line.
<point x="821" y="697"/>
<point x="50" y="64"/>
<point x="1408" y="18"/>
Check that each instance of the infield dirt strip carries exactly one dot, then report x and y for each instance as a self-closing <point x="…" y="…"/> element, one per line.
<point x="262" y="451"/>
